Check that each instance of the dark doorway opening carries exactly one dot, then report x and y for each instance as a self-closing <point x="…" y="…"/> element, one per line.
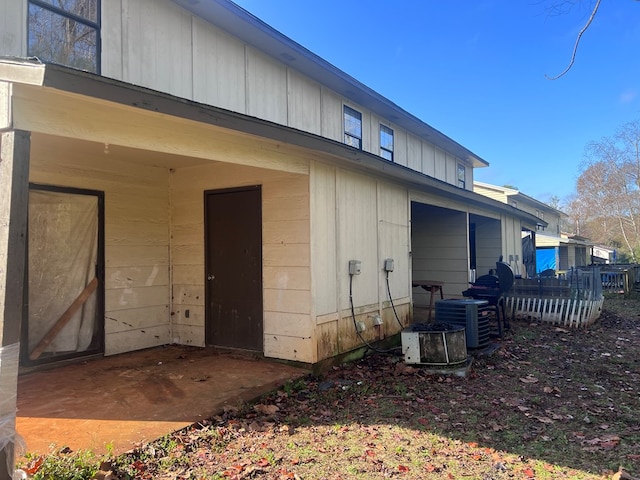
<point x="233" y="268"/>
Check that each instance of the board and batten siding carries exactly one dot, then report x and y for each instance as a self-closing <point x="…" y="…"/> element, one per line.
<point x="200" y="62"/>
<point x="137" y="292"/>
<point x="356" y="217"/>
<point x="288" y="332"/>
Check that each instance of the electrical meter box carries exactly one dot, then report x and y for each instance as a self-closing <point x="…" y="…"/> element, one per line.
<point x="354" y="267"/>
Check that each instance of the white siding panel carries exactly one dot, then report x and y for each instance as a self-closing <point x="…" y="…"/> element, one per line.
<point x="357" y="233"/>
<point x="451" y="169"/>
<point x="414" y="153"/>
<point x="304" y="103"/>
<point x="289" y="324"/>
<point x="393" y="234"/>
<point x="401" y="149"/>
<point x="156" y="46"/>
<point x="286" y="278"/>
<point x="111" y="31"/>
<point x="332" y="126"/>
<point x="428" y="159"/>
<point x="323" y="238"/>
<point x="266" y="87"/>
<point x="289" y="347"/>
<point x="440" y="165"/>
<point x="219" y="68"/>
<point x="127" y="341"/>
<point x="138" y="276"/>
<point x="13" y="37"/>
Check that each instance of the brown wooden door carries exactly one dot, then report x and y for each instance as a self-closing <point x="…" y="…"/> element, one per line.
<point x="233" y="268"/>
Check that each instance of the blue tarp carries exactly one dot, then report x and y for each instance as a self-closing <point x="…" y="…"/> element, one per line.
<point x="545" y="259"/>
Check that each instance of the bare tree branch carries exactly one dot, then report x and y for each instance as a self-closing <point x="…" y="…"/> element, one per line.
<point x="575" y="47"/>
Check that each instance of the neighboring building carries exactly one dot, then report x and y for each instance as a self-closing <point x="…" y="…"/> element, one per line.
<point x="210" y="182"/>
<point x="602" y="254"/>
<point x="555" y="251"/>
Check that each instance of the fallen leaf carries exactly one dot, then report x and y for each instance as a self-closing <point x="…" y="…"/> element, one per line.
<point x="543" y="419"/>
<point x="266" y="409"/>
<point x="529" y="379"/>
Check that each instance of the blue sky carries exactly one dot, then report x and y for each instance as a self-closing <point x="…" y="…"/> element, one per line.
<point x="475" y="70"/>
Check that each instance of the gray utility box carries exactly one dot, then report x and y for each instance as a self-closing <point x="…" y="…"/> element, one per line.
<point x="469" y="313"/>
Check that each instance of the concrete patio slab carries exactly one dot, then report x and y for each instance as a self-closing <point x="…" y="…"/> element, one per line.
<point x="116" y="403"/>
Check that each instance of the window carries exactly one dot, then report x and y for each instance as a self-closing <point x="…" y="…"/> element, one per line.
<point x="386" y="143"/>
<point x="66" y="32"/>
<point x="462" y="174"/>
<point x="352" y="127"/>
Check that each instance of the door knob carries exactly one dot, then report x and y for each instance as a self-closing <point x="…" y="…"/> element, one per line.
<point x="210" y="277"/>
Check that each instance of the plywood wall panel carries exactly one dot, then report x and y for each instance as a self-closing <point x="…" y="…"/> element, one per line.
<point x="293" y="348"/>
<point x="13" y="23"/>
<point x="414" y="153"/>
<point x="289" y="324"/>
<point x="138" y="276"/>
<point x="284" y="207"/>
<point x="428" y="159"/>
<point x="293" y="255"/>
<point x="304" y="103"/>
<point x="127" y="255"/>
<point x="357" y="235"/>
<point x="134" y="319"/>
<point x="133" y="298"/>
<point x="286" y="301"/>
<point x="136" y="233"/>
<point x="218" y="68"/>
<point x="323" y="239"/>
<point x="287" y="278"/>
<point x="122" y="342"/>
<point x="332" y="126"/>
<point x="152" y="57"/>
<point x="266" y="87"/>
<point x="440" y="165"/>
<point x="286" y="231"/>
<point x="188" y="274"/>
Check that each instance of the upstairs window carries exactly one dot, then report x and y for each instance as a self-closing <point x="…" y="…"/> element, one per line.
<point x="462" y="176"/>
<point x="386" y="143"/>
<point x="352" y="127"/>
<point x="66" y="32"/>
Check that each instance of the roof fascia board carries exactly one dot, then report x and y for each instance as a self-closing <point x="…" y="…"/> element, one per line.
<point x="250" y="29"/>
<point x="20" y="70"/>
<point x="95" y="86"/>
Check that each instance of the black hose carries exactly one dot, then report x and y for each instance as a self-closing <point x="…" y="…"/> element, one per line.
<point x="393" y="307"/>
<point x="355" y="324"/>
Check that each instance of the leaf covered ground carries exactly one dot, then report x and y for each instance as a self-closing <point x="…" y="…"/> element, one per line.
<point x="549" y="403"/>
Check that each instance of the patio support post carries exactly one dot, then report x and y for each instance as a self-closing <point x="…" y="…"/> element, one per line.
<point x="14" y="191"/>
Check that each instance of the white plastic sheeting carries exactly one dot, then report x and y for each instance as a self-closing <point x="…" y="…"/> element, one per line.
<point x="63" y="246"/>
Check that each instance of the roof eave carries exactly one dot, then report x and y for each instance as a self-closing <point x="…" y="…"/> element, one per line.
<point x="95" y="86"/>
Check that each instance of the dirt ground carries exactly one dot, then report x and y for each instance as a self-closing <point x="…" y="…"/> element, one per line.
<point x="549" y="403"/>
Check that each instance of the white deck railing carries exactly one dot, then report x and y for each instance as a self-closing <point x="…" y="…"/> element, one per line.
<point x="575" y="301"/>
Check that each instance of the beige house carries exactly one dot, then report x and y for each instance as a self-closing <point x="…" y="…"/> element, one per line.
<point x="555" y="250"/>
<point x="219" y="185"/>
